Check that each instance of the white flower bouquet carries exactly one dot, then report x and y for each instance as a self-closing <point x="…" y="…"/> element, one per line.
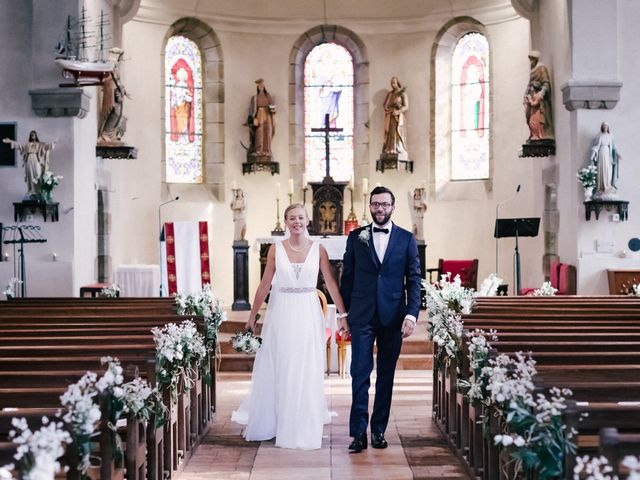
<point x="47" y="182"/>
<point x="588" y="176"/>
<point x="546" y="290"/>
<point x="112" y="291"/>
<point x="635" y="290"/>
<point x="180" y="350"/>
<point x="204" y="304"/>
<point x="10" y="289"/>
<point x="489" y="286"/>
<point x="246" y="342"/>
<point x="38" y="451"/>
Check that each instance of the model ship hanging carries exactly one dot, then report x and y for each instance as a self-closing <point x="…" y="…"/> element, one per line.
<point x="80" y="58"/>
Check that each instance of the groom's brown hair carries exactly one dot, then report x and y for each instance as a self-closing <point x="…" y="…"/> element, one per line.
<point x="381" y="189"/>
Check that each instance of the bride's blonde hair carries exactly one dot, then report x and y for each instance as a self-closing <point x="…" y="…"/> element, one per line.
<point x="294" y="206"/>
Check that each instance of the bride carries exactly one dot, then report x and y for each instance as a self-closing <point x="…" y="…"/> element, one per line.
<point x="287" y="386"/>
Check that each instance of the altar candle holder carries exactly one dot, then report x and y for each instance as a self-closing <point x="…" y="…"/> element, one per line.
<point x="351" y="223"/>
<point x="277" y="231"/>
<point x="364" y="209"/>
<point x="304" y="195"/>
<point x="290" y="198"/>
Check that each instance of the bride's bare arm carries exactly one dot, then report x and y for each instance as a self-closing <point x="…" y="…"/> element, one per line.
<point x="332" y="286"/>
<point x="263" y="288"/>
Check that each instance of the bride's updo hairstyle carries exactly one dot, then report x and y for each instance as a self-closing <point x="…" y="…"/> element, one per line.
<point x="294" y="206"/>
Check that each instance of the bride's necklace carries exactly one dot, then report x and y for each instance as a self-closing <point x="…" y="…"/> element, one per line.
<point x="306" y="243"/>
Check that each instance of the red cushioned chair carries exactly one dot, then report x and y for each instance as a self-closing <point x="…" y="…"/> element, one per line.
<point x="467" y="269"/>
<point x="562" y="277"/>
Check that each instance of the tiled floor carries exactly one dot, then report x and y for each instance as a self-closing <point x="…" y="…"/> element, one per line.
<point x="416" y="448"/>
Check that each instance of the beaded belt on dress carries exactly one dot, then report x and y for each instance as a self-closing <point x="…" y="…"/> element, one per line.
<point x="297" y="289"/>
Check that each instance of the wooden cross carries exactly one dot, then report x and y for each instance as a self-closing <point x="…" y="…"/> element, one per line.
<point x="327" y="130"/>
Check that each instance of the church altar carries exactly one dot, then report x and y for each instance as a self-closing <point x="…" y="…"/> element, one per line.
<point x="137" y="280"/>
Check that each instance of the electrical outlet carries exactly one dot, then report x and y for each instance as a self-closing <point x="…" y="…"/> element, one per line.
<point x="604" y="247"/>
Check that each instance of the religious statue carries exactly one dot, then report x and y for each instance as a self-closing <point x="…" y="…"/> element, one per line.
<point x="537" y="101"/>
<point x="112" y="123"/>
<point x="238" y="206"/>
<point x="328" y="222"/>
<point x="417" y="207"/>
<point x="262" y="122"/>
<point x="605" y="156"/>
<point x="35" y="158"/>
<point x="396" y="104"/>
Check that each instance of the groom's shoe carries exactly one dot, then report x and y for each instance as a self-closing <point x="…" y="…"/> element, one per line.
<point x="378" y="441"/>
<point x="358" y="444"/>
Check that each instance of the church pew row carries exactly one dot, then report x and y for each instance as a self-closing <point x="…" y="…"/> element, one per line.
<point x="591" y="330"/>
<point x="39" y="361"/>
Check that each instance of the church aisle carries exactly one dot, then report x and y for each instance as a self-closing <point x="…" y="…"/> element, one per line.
<point x="416" y="448"/>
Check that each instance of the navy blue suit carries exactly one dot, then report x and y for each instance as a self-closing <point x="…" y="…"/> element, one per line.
<point x="377" y="293"/>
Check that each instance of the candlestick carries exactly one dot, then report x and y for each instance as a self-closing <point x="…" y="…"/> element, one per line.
<point x="364" y="209"/>
<point x="278" y="228"/>
<point x="304" y="194"/>
<point x="290" y="197"/>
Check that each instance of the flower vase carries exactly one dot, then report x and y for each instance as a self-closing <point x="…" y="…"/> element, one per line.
<point x="588" y="193"/>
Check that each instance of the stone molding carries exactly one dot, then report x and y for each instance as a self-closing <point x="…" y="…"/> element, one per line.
<point x="60" y="102"/>
<point x="590" y="94"/>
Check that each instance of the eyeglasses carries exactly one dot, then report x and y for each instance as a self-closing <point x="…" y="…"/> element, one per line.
<point x="385" y="205"/>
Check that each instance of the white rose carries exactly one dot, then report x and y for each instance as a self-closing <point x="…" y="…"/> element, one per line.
<point x="507" y="440"/>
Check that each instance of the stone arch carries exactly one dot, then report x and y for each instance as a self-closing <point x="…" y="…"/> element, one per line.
<point x="440" y="186"/>
<point x="301" y="48"/>
<point x="213" y="108"/>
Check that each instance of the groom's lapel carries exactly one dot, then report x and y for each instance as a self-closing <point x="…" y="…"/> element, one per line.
<point x="392" y="241"/>
<point x="372" y="249"/>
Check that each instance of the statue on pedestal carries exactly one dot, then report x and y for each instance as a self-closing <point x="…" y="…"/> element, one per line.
<point x="113" y="123"/>
<point x="537" y="101"/>
<point x="417" y="207"/>
<point x="35" y="158"/>
<point x="262" y="124"/>
<point x="238" y="206"/>
<point x="605" y="156"/>
<point x="396" y="104"/>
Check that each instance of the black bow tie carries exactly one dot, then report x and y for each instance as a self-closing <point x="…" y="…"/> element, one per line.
<point x="382" y="230"/>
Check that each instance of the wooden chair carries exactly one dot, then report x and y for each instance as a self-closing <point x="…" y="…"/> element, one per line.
<point x="342" y="341"/>
<point x="562" y="277"/>
<point x="467" y="269"/>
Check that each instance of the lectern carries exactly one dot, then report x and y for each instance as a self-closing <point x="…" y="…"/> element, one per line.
<point x="516" y="227"/>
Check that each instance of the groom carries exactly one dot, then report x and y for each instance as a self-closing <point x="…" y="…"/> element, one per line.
<point x="380" y="286"/>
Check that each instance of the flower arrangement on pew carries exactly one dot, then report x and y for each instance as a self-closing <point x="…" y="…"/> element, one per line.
<point x="598" y="468"/>
<point x="635" y="290"/>
<point x="180" y="351"/>
<point x="446" y="301"/>
<point x="38" y="451"/>
<point x="480" y="368"/>
<point x="546" y="290"/>
<point x="83" y="413"/>
<point x="204" y="304"/>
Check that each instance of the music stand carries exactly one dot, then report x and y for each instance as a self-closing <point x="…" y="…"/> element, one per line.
<point x="516" y="227"/>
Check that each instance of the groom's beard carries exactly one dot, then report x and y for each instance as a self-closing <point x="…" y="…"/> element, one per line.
<point x="384" y="219"/>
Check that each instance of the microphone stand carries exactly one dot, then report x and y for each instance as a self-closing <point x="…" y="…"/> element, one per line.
<point x="160" y="238"/>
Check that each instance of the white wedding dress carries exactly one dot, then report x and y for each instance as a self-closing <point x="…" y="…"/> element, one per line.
<point x="287" y="398"/>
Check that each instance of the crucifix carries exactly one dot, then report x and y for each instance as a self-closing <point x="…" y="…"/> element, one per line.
<point x="327" y="129"/>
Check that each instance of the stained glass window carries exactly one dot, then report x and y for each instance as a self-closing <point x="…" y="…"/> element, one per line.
<point x="328" y="89"/>
<point x="470" y="108"/>
<point x="183" y="111"/>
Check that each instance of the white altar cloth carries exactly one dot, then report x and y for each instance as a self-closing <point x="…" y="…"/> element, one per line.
<point x="137" y="280"/>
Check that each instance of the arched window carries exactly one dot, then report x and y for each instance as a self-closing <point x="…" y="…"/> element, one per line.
<point x="183" y="111"/>
<point x="470" y="108"/>
<point x="328" y="89"/>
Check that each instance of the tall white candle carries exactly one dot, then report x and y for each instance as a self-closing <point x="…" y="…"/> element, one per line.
<point x="365" y="185"/>
<point x="291" y="186"/>
<point x="351" y="184"/>
<point x="305" y="180"/>
<point x="234" y="185"/>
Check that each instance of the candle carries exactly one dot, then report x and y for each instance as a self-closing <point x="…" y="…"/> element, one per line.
<point x="351" y="184"/>
<point x="378" y="184"/>
<point x="291" y="186"/>
<point x="6" y="256"/>
<point x="234" y="185"/>
<point x="365" y="185"/>
<point x="305" y="180"/>
<point x="278" y="190"/>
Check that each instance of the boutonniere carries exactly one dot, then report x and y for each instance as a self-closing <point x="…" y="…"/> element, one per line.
<point x="364" y="236"/>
